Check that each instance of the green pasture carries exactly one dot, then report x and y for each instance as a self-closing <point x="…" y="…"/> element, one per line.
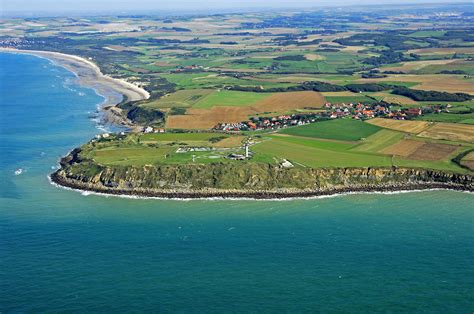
<point x="181" y="98"/>
<point x="340" y="129"/>
<point x="318" y="155"/>
<point x="230" y="98"/>
<point x="349" y="99"/>
<point x="378" y="141"/>
<point x="175" y="137"/>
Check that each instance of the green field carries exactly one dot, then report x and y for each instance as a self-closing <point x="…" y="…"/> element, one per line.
<point x="467" y="118"/>
<point x="340" y="129"/>
<point x="465" y="66"/>
<point x="182" y="98"/>
<point x="318" y="154"/>
<point x="349" y="99"/>
<point x="230" y="98"/>
<point x="133" y="155"/>
<point x="378" y="141"/>
<point x="433" y="33"/>
<point x="178" y="137"/>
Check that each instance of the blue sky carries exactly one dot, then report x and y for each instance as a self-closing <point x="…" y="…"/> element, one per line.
<point x="32" y="6"/>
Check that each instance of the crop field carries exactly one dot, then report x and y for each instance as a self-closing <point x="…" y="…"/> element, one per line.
<point x="401" y="125"/>
<point x="467" y="118"/>
<point x="376" y="142"/>
<point x="394" y="99"/>
<point x="208" y="118"/>
<point x="313" y="153"/>
<point x="313" y="57"/>
<point x="465" y="67"/>
<point x="211" y="110"/>
<point x="468" y="161"/>
<point x="333" y="145"/>
<point x="283" y="102"/>
<point x="232" y="141"/>
<point x="450" y="131"/>
<point x="433" y="151"/>
<point x="230" y="98"/>
<point x="414" y="66"/>
<point x="341" y="129"/>
<point x="403" y="148"/>
<point x="138" y="155"/>
<point x="179" y="137"/>
<point x="349" y="99"/>
<point x="182" y="98"/>
<point x="443" y="51"/>
<point x="437" y="82"/>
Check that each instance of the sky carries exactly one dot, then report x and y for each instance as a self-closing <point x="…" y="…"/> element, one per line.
<point x="80" y="6"/>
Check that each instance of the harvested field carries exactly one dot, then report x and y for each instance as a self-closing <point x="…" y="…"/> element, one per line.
<point x="338" y="129"/>
<point x="341" y="94"/>
<point x="416" y="65"/>
<point x="468" y="161"/>
<point x="282" y="102"/>
<point x="442" y="51"/>
<point x="353" y="48"/>
<point x="205" y="118"/>
<point x="313" y="57"/>
<point x="119" y="48"/>
<point x="403" y="148"/>
<point x="379" y="140"/>
<point x="241" y="70"/>
<point x="164" y="64"/>
<point x="181" y="98"/>
<point x="437" y="82"/>
<point x="208" y="118"/>
<point x="395" y="99"/>
<point x="401" y="125"/>
<point x="433" y="151"/>
<point x="451" y="132"/>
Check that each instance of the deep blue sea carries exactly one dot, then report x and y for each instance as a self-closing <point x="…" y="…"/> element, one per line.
<point x="61" y="251"/>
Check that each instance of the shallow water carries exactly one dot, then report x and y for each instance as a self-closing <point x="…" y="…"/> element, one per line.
<point x="63" y="251"/>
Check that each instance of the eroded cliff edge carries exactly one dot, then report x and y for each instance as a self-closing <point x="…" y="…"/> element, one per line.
<point x="256" y="180"/>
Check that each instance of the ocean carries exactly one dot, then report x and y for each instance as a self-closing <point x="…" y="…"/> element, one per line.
<point x="63" y="251"/>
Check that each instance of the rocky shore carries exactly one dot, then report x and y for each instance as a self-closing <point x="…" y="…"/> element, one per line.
<point x="231" y="194"/>
<point x="256" y="181"/>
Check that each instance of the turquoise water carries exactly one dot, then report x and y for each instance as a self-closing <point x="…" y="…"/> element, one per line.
<point x="61" y="251"/>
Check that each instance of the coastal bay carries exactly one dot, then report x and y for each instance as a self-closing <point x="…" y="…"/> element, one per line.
<point x="89" y="75"/>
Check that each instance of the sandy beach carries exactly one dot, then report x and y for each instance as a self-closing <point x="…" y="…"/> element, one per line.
<point x="89" y="75"/>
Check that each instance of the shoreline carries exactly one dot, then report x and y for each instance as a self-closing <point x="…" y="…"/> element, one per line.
<point x="89" y="75"/>
<point x="216" y="194"/>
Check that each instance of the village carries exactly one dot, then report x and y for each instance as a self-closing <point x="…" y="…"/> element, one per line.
<point x="357" y="111"/>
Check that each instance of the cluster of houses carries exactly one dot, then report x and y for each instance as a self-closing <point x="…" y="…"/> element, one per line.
<point x="17" y="42"/>
<point x="149" y="129"/>
<point x="189" y="68"/>
<point x="333" y="111"/>
<point x="356" y="111"/>
<point x="362" y="111"/>
<point x="264" y="123"/>
<point x="181" y="150"/>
